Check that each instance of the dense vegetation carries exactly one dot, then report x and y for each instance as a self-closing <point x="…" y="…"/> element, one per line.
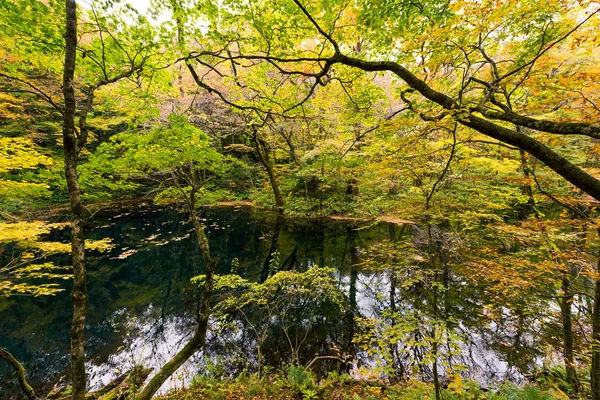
<point x="472" y="125"/>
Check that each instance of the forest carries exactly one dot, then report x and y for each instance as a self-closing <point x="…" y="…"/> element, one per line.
<point x="292" y="199"/>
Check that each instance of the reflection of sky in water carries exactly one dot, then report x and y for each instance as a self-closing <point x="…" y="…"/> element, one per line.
<point x="152" y="342"/>
<point x="142" y="304"/>
<point x="150" y="346"/>
<point x="485" y="365"/>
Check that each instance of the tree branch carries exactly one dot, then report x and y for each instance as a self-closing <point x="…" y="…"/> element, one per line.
<point x="18" y="367"/>
<point x="35" y="90"/>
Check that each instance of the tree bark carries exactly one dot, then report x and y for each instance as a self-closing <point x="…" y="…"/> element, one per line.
<point x="79" y="293"/>
<point x="198" y="340"/>
<point x="434" y="348"/>
<point x="526" y="188"/>
<point x="595" y="368"/>
<point x="264" y="274"/>
<point x="567" y="325"/>
<point x="18" y="367"/>
<point x="434" y="245"/>
<point x="263" y="156"/>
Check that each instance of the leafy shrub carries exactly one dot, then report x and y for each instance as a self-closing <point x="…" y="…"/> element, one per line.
<point x="302" y="381"/>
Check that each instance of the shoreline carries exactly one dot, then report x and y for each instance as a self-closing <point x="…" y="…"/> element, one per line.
<point x="62" y="211"/>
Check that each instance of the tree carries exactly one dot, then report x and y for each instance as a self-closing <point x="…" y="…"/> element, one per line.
<point x="109" y="60"/>
<point x="16" y="365"/>
<point x="489" y="69"/>
<point x="19" y="157"/>
<point x="180" y="158"/>
<point x="19" y="275"/>
<point x="352" y="105"/>
<point x="448" y="77"/>
<point x="289" y="300"/>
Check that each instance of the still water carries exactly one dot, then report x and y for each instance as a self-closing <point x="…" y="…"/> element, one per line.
<point x="142" y="305"/>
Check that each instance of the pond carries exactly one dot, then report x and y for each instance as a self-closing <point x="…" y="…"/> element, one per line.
<point x="142" y="305"/>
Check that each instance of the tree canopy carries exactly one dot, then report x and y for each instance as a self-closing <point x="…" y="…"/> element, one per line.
<point x="476" y="122"/>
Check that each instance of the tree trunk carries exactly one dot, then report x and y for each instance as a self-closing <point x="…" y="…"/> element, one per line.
<point x="434" y="349"/>
<point x="264" y="274"/>
<point x="567" y="325"/>
<point x="434" y="248"/>
<point x="79" y="293"/>
<point x="263" y="156"/>
<point x="260" y="361"/>
<point x="198" y="340"/>
<point x="526" y="188"/>
<point x="292" y="148"/>
<point x="595" y="368"/>
<point x="16" y="365"/>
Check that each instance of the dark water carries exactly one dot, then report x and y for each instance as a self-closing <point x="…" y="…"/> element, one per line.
<point x="142" y="306"/>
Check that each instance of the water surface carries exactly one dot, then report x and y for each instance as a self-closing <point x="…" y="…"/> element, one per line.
<point x="142" y="305"/>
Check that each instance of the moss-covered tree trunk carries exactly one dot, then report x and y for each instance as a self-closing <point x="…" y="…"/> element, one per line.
<point x="198" y="340"/>
<point x="595" y="368"/>
<point x="567" y="325"/>
<point x="16" y="365"/>
<point x="529" y="207"/>
<point x="79" y="293"/>
<point x="265" y="160"/>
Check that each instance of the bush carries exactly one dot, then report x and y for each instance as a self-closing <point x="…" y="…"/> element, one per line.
<point x="302" y="381"/>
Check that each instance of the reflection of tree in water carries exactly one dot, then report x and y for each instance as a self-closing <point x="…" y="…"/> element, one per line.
<point x="383" y="271"/>
<point x="332" y="333"/>
<point x="426" y="299"/>
<point x="291" y="319"/>
<point x="273" y="250"/>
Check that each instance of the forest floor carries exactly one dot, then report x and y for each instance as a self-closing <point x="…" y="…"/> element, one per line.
<point x="281" y="389"/>
<point x="278" y="387"/>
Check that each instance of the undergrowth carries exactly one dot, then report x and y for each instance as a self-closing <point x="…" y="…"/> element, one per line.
<point x="298" y="384"/>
